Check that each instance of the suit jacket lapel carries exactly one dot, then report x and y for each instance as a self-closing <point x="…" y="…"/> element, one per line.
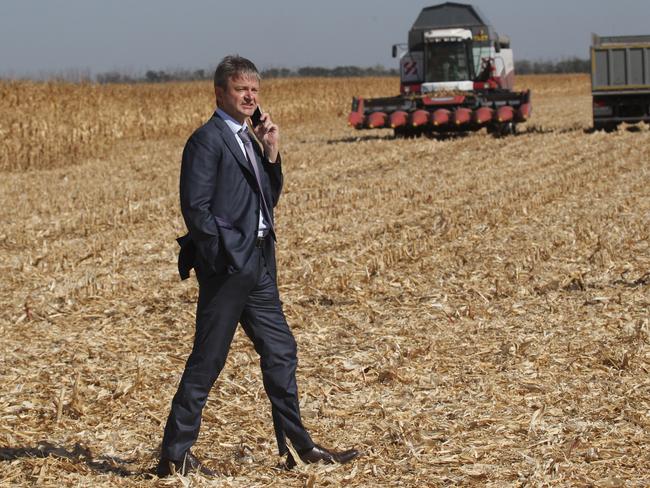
<point x="232" y="143"/>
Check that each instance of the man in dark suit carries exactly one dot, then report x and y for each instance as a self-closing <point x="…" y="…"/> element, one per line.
<point x="229" y="186"/>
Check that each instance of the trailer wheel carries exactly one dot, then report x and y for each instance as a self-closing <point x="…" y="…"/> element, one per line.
<point x="606" y="126"/>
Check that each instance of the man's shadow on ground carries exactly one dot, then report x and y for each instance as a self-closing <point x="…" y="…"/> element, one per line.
<point x="79" y="455"/>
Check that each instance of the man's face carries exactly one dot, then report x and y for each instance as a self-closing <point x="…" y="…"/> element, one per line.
<point x="239" y="98"/>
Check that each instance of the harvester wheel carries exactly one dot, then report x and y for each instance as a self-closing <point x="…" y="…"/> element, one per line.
<point x="405" y="132"/>
<point x="400" y="132"/>
<point x="502" y="130"/>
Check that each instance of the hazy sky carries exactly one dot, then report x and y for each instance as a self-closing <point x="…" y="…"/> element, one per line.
<point x="39" y="36"/>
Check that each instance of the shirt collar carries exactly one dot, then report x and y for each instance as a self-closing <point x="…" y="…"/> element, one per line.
<point x="234" y="126"/>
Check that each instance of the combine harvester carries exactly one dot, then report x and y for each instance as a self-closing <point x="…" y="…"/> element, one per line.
<point x="457" y="75"/>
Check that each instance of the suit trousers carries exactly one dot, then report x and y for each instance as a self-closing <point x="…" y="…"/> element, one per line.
<point x="251" y="298"/>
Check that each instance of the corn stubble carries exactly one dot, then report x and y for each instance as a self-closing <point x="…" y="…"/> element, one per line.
<point x="469" y="311"/>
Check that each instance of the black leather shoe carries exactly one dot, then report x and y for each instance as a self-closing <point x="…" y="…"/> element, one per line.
<point x="189" y="464"/>
<point x="320" y="454"/>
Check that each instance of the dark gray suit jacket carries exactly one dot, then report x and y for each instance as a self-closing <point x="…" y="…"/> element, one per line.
<point x="220" y="201"/>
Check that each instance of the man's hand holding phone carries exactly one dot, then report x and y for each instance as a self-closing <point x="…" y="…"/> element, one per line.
<point x="267" y="133"/>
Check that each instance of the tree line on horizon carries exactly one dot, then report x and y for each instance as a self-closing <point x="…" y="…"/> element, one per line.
<point x="162" y="76"/>
<point x="523" y="67"/>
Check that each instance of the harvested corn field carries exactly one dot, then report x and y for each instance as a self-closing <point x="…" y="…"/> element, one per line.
<point x="470" y="311"/>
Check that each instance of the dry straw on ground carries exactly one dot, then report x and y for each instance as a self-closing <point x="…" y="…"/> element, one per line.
<point x="470" y="311"/>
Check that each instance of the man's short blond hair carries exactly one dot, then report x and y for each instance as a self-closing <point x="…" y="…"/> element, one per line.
<point x="234" y="66"/>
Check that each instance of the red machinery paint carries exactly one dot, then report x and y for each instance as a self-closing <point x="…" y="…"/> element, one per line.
<point x="483" y="115"/>
<point x="441" y="117"/>
<point x="524" y="112"/>
<point x="419" y="118"/>
<point x="355" y="119"/>
<point x="376" y="120"/>
<point x="461" y="116"/>
<point x="398" y="119"/>
<point x="505" y="114"/>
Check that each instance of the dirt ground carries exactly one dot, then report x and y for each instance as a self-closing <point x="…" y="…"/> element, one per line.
<point x="470" y="311"/>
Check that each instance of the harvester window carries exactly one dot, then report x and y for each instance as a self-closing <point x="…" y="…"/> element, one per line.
<point x="447" y="61"/>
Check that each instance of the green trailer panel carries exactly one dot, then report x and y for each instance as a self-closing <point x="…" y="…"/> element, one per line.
<point x="620" y="63"/>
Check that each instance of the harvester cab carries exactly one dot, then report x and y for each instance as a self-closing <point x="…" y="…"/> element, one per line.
<point x="456" y="74"/>
<point x="444" y="61"/>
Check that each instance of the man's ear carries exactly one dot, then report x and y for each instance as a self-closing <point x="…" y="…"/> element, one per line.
<point x="218" y="93"/>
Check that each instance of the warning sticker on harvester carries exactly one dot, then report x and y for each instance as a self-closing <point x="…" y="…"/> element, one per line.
<point x="412" y="67"/>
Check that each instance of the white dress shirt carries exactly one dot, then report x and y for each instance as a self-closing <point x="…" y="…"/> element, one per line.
<point x="235" y="127"/>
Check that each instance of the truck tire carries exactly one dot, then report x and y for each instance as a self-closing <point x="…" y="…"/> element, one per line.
<point x="606" y="126"/>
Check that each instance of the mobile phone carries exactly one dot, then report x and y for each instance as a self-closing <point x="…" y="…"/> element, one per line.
<point x="257" y="115"/>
